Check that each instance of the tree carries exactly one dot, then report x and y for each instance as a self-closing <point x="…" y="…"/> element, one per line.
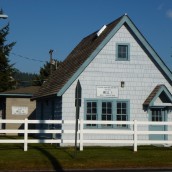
<point x="6" y="70"/>
<point x="45" y="71"/>
<point x="23" y="79"/>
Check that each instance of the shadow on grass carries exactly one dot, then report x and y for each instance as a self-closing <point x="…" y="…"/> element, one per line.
<point x="56" y="165"/>
<point x="11" y="147"/>
<point x="71" y="152"/>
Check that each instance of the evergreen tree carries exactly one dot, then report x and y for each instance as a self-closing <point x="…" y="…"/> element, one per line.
<point x="6" y="70"/>
<point x="23" y="79"/>
<point x="45" y="71"/>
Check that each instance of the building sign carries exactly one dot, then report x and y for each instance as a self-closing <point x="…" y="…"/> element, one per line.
<point x="107" y="91"/>
<point x="19" y="110"/>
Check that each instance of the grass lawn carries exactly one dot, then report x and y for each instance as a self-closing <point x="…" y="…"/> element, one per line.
<point x="50" y="157"/>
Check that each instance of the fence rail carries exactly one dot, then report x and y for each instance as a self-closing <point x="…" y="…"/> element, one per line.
<point x="132" y="131"/>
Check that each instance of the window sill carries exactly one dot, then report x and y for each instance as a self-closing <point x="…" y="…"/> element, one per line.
<point x="118" y="59"/>
<point x="108" y="128"/>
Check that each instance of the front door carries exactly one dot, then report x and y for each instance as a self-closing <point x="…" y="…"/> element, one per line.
<point x="157" y="115"/>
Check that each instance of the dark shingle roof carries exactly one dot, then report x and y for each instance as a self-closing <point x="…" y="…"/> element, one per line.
<point x="152" y="95"/>
<point x="72" y="63"/>
<point x="85" y="52"/>
<point x="20" y="91"/>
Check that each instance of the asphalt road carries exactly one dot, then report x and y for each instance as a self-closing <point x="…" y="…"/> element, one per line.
<point x="122" y="170"/>
<point x="100" y="170"/>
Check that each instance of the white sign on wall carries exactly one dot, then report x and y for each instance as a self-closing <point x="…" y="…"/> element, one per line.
<point x="107" y="91"/>
<point x="19" y="110"/>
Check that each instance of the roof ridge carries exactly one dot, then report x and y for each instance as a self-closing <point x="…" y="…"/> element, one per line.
<point x="73" y="61"/>
<point x="85" y="51"/>
<point x="119" y="18"/>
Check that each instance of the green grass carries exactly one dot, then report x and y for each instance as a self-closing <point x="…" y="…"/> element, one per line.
<point x="50" y="157"/>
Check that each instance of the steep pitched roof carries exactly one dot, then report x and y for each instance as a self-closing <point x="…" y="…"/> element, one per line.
<point x="73" y="62"/>
<point x="156" y="93"/>
<point x="85" y="52"/>
<point x="24" y="91"/>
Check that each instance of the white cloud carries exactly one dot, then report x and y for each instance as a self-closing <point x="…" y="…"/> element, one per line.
<point x="169" y="13"/>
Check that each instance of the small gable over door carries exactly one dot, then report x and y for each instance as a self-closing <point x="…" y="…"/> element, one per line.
<point x="160" y="97"/>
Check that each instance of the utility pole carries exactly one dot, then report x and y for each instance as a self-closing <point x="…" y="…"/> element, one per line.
<point x="51" y="60"/>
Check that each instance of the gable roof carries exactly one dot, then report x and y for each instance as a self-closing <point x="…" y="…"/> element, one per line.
<point x="85" y="52"/>
<point x="24" y="91"/>
<point x="73" y="62"/>
<point x="156" y="93"/>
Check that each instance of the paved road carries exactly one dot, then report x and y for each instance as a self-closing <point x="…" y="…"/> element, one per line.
<point x="101" y="170"/>
<point x="123" y="170"/>
<point x="120" y="170"/>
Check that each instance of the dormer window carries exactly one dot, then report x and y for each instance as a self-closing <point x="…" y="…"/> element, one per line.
<point x="122" y="51"/>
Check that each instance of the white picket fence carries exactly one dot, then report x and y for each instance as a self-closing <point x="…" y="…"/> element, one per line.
<point x="82" y="130"/>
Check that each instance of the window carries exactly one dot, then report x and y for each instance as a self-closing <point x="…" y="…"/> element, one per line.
<point x="122" y="113"/>
<point x="123" y="52"/>
<point x="156" y="115"/>
<point x="107" y="112"/>
<point x="91" y="112"/>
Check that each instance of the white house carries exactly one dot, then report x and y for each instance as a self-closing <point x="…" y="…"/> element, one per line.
<point x="122" y="79"/>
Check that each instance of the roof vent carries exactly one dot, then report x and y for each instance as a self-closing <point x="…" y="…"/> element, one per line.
<point x="101" y="30"/>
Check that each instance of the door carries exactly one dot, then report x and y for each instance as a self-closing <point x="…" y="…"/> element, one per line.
<point x="157" y="115"/>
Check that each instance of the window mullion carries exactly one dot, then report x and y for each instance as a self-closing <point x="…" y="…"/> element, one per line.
<point x="99" y="112"/>
<point x="114" y="112"/>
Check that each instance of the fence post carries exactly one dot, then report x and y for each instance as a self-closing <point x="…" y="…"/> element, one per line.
<point x="135" y="135"/>
<point x="25" y="133"/>
<point x="81" y="134"/>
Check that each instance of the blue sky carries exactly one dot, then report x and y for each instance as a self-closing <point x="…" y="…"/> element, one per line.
<point x="40" y="25"/>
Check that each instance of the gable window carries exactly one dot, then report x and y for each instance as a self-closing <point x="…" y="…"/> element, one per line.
<point x="122" y="52"/>
<point x="91" y="113"/>
<point x="122" y="113"/>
